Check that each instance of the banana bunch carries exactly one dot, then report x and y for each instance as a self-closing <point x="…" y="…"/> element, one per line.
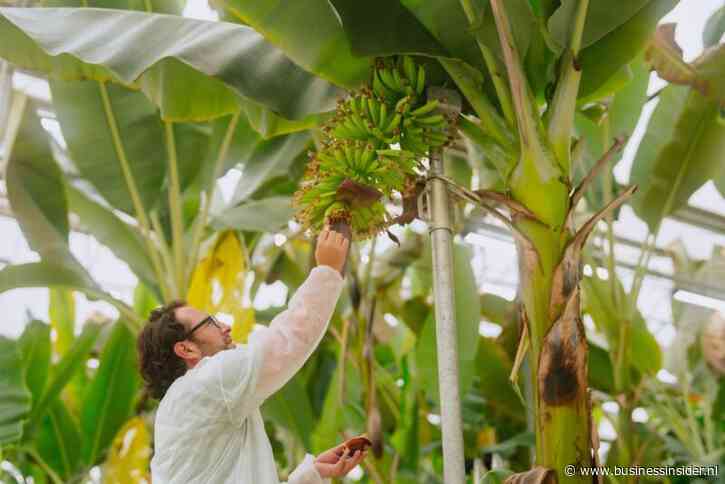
<point x="369" y="221"/>
<point x="357" y="146"/>
<point x="422" y="129"/>
<point x="365" y="116"/>
<point x="391" y="81"/>
<point x="347" y="157"/>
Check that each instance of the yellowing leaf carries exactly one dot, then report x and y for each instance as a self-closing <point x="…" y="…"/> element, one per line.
<point x="243" y="323"/>
<point x="230" y="273"/>
<point x="224" y="267"/>
<point x="199" y="294"/>
<point x="128" y="457"/>
<point x="218" y="284"/>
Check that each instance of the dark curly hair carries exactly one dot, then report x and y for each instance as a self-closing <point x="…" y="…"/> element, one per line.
<point x="158" y="364"/>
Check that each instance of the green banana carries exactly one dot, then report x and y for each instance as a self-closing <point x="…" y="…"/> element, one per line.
<point x="409" y="69"/>
<point x="394" y="123"/>
<point x="383" y="116"/>
<point x="425" y="109"/>
<point x="402" y="105"/>
<point x="398" y="79"/>
<point x="431" y="120"/>
<point x="388" y="80"/>
<point x="381" y="88"/>
<point x="420" y="81"/>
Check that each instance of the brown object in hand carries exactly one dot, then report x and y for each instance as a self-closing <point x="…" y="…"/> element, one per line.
<point x="360" y="443"/>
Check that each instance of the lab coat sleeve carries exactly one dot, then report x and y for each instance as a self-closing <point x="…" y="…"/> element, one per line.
<point x="306" y="473"/>
<point x="289" y="340"/>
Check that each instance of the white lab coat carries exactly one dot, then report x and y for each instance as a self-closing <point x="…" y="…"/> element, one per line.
<point x="208" y="426"/>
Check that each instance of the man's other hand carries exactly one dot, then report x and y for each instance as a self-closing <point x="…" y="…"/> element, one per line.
<point x="331" y="249"/>
<point x="338" y="461"/>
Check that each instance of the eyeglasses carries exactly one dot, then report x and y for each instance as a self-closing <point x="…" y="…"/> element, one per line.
<point x="209" y="319"/>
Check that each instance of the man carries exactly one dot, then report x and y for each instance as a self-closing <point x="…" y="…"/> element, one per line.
<point x="208" y="426"/>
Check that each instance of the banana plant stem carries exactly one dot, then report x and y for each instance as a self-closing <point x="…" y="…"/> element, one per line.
<point x="133" y="191"/>
<point x="202" y="218"/>
<point x="175" y="202"/>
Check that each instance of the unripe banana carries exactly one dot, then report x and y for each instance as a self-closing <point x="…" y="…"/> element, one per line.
<point x="420" y="81"/>
<point x="436" y="119"/>
<point x="409" y="69"/>
<point x="425" y="109"/>
<point x="388" y="80"/>
<point x="383" y="116"/>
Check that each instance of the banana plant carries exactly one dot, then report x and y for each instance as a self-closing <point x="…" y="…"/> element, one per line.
<point x="66" y="410"/>
<point x="157" y="153"/>
<point x="547" y="86"/>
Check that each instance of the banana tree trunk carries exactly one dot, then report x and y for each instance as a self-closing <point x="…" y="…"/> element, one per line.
<point x="550" y="253"/>
<point x="558" y="350"/>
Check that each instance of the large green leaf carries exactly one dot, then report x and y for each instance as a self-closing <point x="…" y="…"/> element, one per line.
<point x="57" y="440"/>
<point x="601" y="372"/>
<point x="261" y="158"/>
<point x="383" y="27"/>
<point x="34" y="344"/>
<point x="264" y="158"/>
<point x="179" y="55"/>
<point x="15" y="399"/>
<point x="84" y="122"/>
<point x="108" y="402"/>
<point x="72" y="362"/>
<point x="601" y="19"/>
<point x="447" y="22"/>
<point x="683" y="147"/>
<point x="619" y="120"/>
<point x="714" y="28"/>
<point x="494" y="368"/>
<point x="36" y="191"/>
<point x="290" y="407"/>
<point x="308" y="32"/>
<point x="269" y="124"/>
<point x="626" y="105"/>
<point x="468" y="317"/>
<point x="157" y="6"/>
<point x="619" y="46"/>
<point x="267" y="215"/>
<point x="56" y="275"/>
<point x="643" y="353"/>
<point x="122" y="239"/>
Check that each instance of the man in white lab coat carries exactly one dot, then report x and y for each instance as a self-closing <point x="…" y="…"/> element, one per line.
<point x="208" y="426"/>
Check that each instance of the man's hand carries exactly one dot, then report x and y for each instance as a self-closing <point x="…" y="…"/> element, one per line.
<point x="338" y="461"/>
<point x="331" y="249"/>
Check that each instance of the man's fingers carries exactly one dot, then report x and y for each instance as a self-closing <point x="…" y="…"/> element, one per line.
<point x="340" y="464"/>
<point x="353" y="461"/>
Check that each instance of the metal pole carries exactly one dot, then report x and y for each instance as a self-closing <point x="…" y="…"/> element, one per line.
<point x="441" y="233"/>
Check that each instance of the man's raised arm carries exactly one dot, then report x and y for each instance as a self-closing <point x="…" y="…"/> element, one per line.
<point x="294" y="334"/>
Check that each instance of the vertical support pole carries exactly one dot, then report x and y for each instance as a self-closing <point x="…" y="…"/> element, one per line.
<point x="441" y="233"/>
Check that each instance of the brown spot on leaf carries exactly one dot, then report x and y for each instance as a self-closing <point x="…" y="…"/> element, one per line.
<point x="562" y="363"/>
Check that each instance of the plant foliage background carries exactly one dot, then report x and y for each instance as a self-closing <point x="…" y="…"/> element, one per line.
<point x="158" y="113"/>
